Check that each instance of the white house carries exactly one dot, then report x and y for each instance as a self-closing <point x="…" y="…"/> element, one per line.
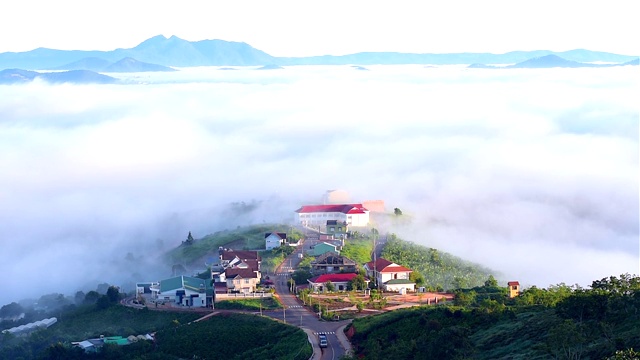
<point x="390" y="276"/>
<point x="274" y="240"/>
<point x="317" y="215"/>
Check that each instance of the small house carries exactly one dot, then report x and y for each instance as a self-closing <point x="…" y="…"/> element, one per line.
<point x="514" y="289"/>
<point x="274" y="240"/>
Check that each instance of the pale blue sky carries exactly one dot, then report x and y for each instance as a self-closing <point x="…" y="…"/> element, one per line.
<point x="302" y="28"/>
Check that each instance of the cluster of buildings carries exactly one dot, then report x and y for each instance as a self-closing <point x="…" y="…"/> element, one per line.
<point x="234" y="271"/>
<point x="94" y="345"/>
<point x="238" y="271"/>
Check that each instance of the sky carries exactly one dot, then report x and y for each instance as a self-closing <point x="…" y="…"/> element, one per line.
<point x="306" y="28"/>
<point x="530" y="172"/>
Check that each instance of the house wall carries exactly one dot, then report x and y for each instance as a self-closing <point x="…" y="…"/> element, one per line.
<point x="243" y="285"/>
<point x="386" y="276"/>
<point x="190" y="298"/>
<point x="272" y="242"/>
<point x="358" y="219"/>
<point x="398" y="287"/>
<point x="319" y="287"/>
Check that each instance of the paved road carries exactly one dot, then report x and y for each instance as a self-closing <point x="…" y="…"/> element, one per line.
<point x="295" y="313"/>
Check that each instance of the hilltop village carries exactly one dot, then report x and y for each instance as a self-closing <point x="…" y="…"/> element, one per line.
<point x="326" y="228"/>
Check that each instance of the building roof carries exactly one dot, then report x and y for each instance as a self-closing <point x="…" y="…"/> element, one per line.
<point x="332" y="258"/>
<point x="242" y="273"/>
<point x="333" y="278"/>
<point x="342" y="208"/>
<point x="282" y="236"/>
<point x="183" y="282"/>
<point x="399" y="282"/>
<point x="511" y="283"/>
<point x="386" y="266"/>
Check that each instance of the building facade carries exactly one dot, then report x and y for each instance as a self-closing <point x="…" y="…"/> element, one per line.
<point x="318" y="215"/>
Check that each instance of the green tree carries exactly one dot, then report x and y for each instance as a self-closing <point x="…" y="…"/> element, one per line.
<point x="103" y="302"/>
<point x="417" y="278"/>
<point x="91" y="297"/>
<point x="628" y="354"/>
<point x="491" y="282"/>
<point x="329" y="286"/>
<point x="11" y="310"/>
<point x="357" y="283"/>
<point x="464" y="298"/>
<point x="113" y="294"/>
<point x="397" y="211"/>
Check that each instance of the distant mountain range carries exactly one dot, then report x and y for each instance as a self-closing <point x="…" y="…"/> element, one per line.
<point x="176" y="52"/>
<point x="552" y="61"/>
<point x="127" y="64"/>
<point x="18" y="76"/>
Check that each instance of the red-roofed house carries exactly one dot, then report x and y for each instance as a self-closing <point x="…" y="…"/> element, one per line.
<point x="339" y="281"/>
<point x="391" y="276"/>
<point x="317" y="215"/>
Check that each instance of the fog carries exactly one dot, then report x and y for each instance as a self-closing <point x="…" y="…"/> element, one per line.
<point x="533" y="173"/>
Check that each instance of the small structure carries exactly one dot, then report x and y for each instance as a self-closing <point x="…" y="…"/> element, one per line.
<point x="184" y="290"/>
<point x="27" y="328"/>
<point x="391" y="276"/>
<point x="332" y="262"/>
<point x="338" y="229"/>
<point x="273" y="240"/>
<point x="339" y="281"/>
<point x="324" y="247"/>
<point x="514" y="289"/>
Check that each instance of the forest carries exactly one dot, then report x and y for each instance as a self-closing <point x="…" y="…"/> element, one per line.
<point x="561" y="322"/>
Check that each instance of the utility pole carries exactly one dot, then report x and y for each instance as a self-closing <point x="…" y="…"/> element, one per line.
<point x="284" y="314"/>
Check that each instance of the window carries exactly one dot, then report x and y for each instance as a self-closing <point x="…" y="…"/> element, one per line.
<point x="514" y="287"/>
<point x="246" y="281"/>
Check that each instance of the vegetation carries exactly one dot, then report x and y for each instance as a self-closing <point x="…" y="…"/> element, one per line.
<point x="242" y="238"/>
<point x="438" y="270"/>
<point x="268" y="303"/>
<point x="271" y="259"/>
<point x="88" y="321"/>
<point x="358" y="249"/>
<point x="235" y="336"/>
<point x="562" y="322"/>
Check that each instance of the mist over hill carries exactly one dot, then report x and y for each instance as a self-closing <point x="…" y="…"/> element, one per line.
<point x="531" y="173"/>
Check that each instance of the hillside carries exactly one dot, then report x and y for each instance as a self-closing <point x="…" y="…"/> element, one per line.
<point x="17" y="76"/>
<point x="197" y="252"/>
<point x="577" y="324"/>
<point x="127" y="64"/>
<point x="177" y="336"/>
<point x="440" y="270"/>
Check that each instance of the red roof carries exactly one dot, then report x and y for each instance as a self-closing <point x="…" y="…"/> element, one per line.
<point x="511" y="283"/>
<point x="386" y="266"/>
<point x="333" y="278"/>
<point x="342" y="208"/>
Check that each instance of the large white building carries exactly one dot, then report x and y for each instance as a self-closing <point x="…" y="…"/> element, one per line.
<point x="317" y="215"/>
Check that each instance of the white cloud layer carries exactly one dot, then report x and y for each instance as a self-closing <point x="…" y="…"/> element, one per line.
<point x="533" y="173"/>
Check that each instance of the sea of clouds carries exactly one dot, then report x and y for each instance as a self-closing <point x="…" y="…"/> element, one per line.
<point x="530" y="172"/>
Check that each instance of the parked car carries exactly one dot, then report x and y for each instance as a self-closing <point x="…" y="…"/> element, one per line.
<point x="323" y="340"/>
